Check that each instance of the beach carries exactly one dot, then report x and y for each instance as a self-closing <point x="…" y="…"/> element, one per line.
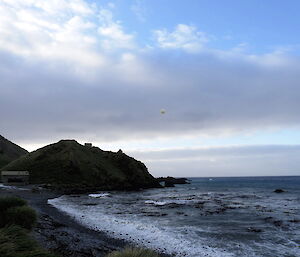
<point x="61" y="234"/>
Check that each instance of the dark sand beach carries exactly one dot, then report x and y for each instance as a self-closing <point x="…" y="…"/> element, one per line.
<point x="59" y="233"/>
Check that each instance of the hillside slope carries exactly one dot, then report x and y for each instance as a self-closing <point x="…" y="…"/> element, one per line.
<point x="9" y="151"/>
<point x="70" y="164"/>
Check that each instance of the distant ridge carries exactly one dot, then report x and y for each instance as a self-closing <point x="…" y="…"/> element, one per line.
<point x="68" y="164"/>
<point x="9" y="151"/>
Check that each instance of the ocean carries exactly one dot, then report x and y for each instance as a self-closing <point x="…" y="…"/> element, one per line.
<point x="240" y="216"/>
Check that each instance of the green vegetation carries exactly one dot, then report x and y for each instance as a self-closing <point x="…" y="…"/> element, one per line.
<point x="16" y="220"/>
<point x="14" y="211"/>
<point x="68" y="164"/>
<point x="23" y="216"/>
<point x="6" y="204"/>
<point x="15" y="242"/>
<point x="133" y="252"/>
<point x="9" y="202"/>
<point x="9" y="151"/>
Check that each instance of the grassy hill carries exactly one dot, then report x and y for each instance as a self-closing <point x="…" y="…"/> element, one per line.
<point x="70" y="164"/>
<point x="9" y="151"/>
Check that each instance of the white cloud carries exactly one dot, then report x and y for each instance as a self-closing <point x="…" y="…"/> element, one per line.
<point x="52" y="6"/>
<point x="186" y="37"/>
<point x="113" y="32"/>
<point x="63" y="31"/>
<point x="139" y="10"/>
<point x="193" y="41"/>
<point x="115" y="37"/>
<point x="111" y="5"/>
<point x="83" y="36"/>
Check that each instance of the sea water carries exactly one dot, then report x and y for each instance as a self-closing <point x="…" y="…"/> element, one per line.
<point x="208" y="217"/>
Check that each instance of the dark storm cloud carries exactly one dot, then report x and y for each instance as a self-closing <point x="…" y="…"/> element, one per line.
<point x="201" y="93"/>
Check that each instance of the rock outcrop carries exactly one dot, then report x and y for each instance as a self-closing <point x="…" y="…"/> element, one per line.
<point x="171" y="181"/>
<point x="279" y="190"/>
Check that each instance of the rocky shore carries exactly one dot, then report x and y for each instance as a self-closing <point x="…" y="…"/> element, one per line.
<point x="59" y="233"/>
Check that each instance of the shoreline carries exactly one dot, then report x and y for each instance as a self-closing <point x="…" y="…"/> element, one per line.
<point x="60" y="233"/>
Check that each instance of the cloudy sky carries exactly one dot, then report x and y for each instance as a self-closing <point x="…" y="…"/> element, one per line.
<point x="227" y="73"/>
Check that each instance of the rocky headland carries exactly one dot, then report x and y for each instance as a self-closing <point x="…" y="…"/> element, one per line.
<point x="74" y="168"/>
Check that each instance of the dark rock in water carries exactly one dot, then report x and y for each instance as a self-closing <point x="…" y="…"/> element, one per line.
<point x="278" y="223"/>
<point x="294" y="221"/>
<point x="279" y="190"/>
<point x="90" y="204"/>
<point x="171" y="181"/>
<point x="74" y="168"/>
<point x="256" y="230"/>
<point x="173" y="205"/>
<point x="169" y="184"/>
<point x="199" y="205"/>
<point x="268" y="218"/>
<point x="154" y="214"/>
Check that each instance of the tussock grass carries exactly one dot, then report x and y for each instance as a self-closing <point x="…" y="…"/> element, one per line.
<point x="23" y="216"/>
<point x="133" y="252"/>
<point x="14" y="210"/>
<point x="5" y="204"/>
<point x="15" y="242"/>
<point x="10" y="201"/>
<point x="16" y="221"/>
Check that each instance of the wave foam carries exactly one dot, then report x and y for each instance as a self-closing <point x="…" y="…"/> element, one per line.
<point x="158" y="203"/>
<point x="102" y="195"/>
<point x="138" y="232"/>
<point x="12" y="187"/>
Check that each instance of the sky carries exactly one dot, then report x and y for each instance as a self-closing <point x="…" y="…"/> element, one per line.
<point x="227" y="74"/>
